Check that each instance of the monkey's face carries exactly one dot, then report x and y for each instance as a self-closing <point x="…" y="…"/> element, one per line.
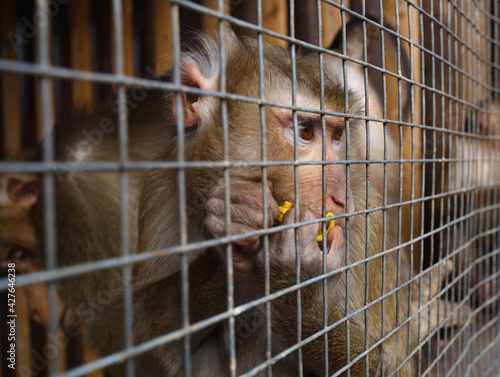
<point x="315" y="145"/>
<point x="19" y="244"/>
<point x="317" y="142"/>
<point x="18" y="241"/>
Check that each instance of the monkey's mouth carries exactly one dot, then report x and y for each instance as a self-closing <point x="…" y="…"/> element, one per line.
<point x="320" y="245"/>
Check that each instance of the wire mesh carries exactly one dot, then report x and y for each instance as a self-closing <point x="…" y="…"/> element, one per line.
<point x="122" y="193"/>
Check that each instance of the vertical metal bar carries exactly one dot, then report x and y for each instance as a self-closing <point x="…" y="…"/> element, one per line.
<point x="262" y="113"/>
<point x="48" y="177"/>
<point x="348" y="183"/>
<point x="486" y="194"/>
<point x="412" y="195"/>
<point x="367" y="182"/>
<point x="442" y="124"/>
<point x="123" y="156"/>
<point x="443" y="184"/>
<point x="181" y="177"/>
<point x="385" y="192"/>
<point x="422" y="208"/>
<point x="401" y="175"/>
<point x="475" y="223"/>
<point x="453" y="181"/>
<point x="433" y="164"/>
<point x="227" y="196"/>
<point x="323" y="184"/>
<point x="496" y="132"/>
<point x="296" y="184"/>
<point x="465" y="224"/>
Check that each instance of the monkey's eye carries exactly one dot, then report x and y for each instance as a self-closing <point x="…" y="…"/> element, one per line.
<point x="306" y="129"/>
<point x="338" y="132"/>
<point x="17" y="254"/>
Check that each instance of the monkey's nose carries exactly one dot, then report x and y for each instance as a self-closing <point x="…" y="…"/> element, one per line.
<point x="338" y="208"/>
<point x="35" y="316"/>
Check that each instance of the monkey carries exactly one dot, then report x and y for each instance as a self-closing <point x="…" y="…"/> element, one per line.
<point x="467" y="349"/>
<point x="469" y="243"/>
<point x="379" y="337"/>
<point x="87" y="212"/>
<point x="469" y="180"/>
<point x="460" y="174"/>
<point x="458" y="336"/>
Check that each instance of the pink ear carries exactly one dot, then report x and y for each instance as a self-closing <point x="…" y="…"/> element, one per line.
<point x="191" y="76"/>
<point x="23" y="191"/>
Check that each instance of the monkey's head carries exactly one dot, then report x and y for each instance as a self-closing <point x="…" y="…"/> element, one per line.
<point x="297" y="127"/>
<point x="19" y="245"/>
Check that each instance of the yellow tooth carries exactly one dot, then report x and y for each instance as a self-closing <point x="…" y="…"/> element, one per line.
<point x="319" y="237"/>
<point x="283" y="209"/>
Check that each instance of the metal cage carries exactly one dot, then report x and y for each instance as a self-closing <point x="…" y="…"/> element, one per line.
<point x="422" y="78"/>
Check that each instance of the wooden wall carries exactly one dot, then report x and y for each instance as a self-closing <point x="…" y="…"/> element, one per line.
<point x="82" y="39"/>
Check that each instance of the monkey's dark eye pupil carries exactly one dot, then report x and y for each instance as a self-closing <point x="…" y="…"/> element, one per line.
<point x="17" y="253"/>
<point x="337" y="133"/>
<point x="306" y="131"/>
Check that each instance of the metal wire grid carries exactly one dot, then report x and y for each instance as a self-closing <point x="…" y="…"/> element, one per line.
<point x="464" y="222"/>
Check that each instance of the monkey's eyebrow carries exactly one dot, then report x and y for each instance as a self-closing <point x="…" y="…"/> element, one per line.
<point x="330" y="121"/>
<point x="307" y="116"/>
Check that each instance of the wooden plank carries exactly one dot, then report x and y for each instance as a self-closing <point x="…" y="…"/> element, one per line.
<point x="403" y="18"/>
<point x="212" y="23"/>
<point x="3" y="312"/>
<point x="101" y="46"/>
<point x="10" y="81"/>
<point x="5" y="371"/>
<point x="371" y="8"/>
<point x="79" y="13"/>
<point x="2" y="114"/>
<point x="23" y="334"/>
<point x="306" y="21"/>
<point x="246" y="11"/>
<point x="128" y="39"/>
<point x="143" y="26"/>
<point x="163" y="39"/>
<point x="61" y="46"/>
<point x="30" y="114"/>
<point x="2" y="124"/>
<point x="332" y="22"/>
<point x="38" y="342"/>
<point x="275" y="18"/>
<point x="89" y="355"/>
<point x="416" y="61"/>
<point x="74" y="349"/>
<point x="190" y="21"/>
<point x="61" y="354"/>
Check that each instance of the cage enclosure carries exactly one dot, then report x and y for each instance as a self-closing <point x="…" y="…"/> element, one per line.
<point x="250" y="188"/>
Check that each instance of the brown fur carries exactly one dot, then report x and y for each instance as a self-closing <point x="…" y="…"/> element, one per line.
<point x="88" y="213"/>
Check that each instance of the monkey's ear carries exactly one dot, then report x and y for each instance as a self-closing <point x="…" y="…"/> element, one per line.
<point x="191" y="104"/>
<point x="23" y="191"/>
